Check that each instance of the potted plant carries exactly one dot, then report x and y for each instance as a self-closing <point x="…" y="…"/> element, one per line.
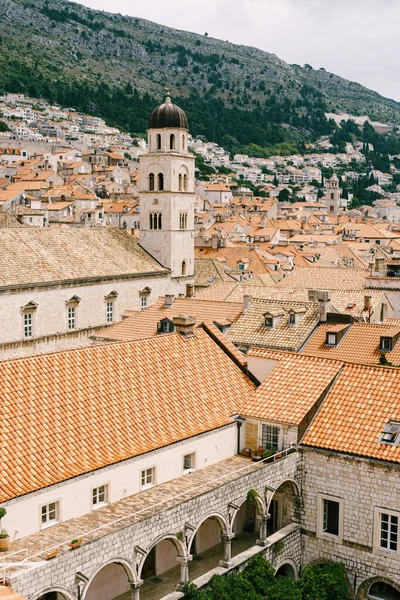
<point x="4" y="538"/>
<point x="52" y="553"/>
<point x="267" y="453"/>
<point x="247" y="452"/>
<point x="75" y="543"/>
<point x="260" y="450"/>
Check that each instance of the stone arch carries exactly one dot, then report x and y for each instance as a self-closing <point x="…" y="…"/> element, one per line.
<point x="158" y="557"/>
<point x="259" y="501"/>
<point x="216" y="516"/>
<point x="67" y="594"/>
<point x="122" y="562"/>
<point x="286" y="566"/>
<point x="296" y="489"/>
<point x="365" y="587"/>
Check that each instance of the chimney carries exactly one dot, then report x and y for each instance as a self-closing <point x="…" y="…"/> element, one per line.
<point x="367" y="303"/>
<point x="189" y="290"/>
<point x="379" y="267"/>
<point x="169" y="300"/>
<point x="323" y="297"/>
<point x="246" y="302"/>
<point x="263" y="221"/>
<point x="184" y="325"/>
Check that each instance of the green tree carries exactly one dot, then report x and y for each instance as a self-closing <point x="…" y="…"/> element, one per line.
<point x="325" y="582"/>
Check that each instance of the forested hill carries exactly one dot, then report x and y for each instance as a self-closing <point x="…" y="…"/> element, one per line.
<point x="118" y="67"/>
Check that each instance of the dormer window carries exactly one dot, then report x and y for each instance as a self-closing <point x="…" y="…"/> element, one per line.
<point x="165" y="326"/>
<point x="331" y="339"/>
<point x="268" y="321"/>
<point x="391" y="434"/>
<point x="292" y="318"/>
<point x="241" y="266"/>
<point x="386" y="344"/>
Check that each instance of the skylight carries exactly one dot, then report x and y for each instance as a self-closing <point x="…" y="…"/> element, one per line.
<point x="391" y="434"/>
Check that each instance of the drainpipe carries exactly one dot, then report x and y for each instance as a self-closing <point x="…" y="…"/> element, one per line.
<point x="239" y="422"/>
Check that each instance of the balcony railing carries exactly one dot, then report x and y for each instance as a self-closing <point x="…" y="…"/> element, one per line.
<point x="144" y="512"/>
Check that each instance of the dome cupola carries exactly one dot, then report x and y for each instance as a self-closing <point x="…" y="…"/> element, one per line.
<point x="169" y="116"/>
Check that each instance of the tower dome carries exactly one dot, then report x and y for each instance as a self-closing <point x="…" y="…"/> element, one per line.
<point x="168" y="115"/>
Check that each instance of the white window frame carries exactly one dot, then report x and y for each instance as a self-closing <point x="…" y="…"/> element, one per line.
<point x="320" y="518"/>
<point x="147" y="482"/>
<point x="56" y="510"/>
<point x="71" y="318"/>
<point x="27" y="321"/>
<point x="275" y="431"/>
<point x="192" y="467"/>
<point x="378" y="512"/>
<point x="110" y="311"/>
<point x="143" y="302"/>
<point x="99" y="496"/>
<point x="331" y="341"/>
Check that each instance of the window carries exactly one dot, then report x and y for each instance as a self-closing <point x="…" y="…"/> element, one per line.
<point x="185" y="183"/>
<point x="172" y="141"/>
<point x="330" y="517"/>
<point x="71" y="317"/>
<point x="124" y="225"/>
<point x="100" y="495"/>
<point x="183" y="220"/>
<point x="160" y="182"/>
<point x="49" y="514"/>
<point x="241" y="267"/>
<point x="391" y="434"/>
<point x="268" y="321"/>
<point x="148" y="478"/>
<point x="155" y="221"/>
<point x="180" y="182"/>
<point x="386" y="344"/>
<point x="158" y="141"/>
<point x="331" y="339"/>
<point x="143" y="302"/>
<point x="109" y="311"/>
<point x="389" y="531"/>
<point x="28" y="325"/>
<point x="189" y="463"/>
<point x="151" y="182"/>
<point x="292" y="318"/>
<point x="183" y="268"/>
<point x="270" y="437"/>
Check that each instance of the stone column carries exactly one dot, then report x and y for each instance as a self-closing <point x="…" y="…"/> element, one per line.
<point x="184" y="562"/>
<point x="262" y="540"/>
<point x="135" y="589"/>
<point x="227" y="561"/>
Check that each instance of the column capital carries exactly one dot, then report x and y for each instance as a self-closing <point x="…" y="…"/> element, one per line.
<point x="227" y="537"/>
<point x="135" y="585"/>
<point x="184" y="560"/>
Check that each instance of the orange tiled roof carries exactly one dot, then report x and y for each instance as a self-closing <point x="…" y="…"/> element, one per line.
<point x="72" y="412"/>
<point x="291" y="389"/>
<point x="360" y="344"/>
<point x="143" y="323"/>
<point x="328" y="278"/>
<point x="7" y="593"/>
<point x="353" y="415"/>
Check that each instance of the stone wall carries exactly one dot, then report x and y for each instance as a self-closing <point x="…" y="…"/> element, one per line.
<point x="364" y="486"/>
<point x="119" y="546"/>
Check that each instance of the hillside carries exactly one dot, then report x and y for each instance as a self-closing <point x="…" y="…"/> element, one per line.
<point x="118" y="67"/>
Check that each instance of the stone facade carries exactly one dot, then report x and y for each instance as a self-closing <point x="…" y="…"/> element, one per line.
<point x="129" y="545"/>
<point x="364" y="486"/>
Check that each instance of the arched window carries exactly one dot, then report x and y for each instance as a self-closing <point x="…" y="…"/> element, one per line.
<point x="383" y="591"/>
<point x="180" y="182"/>
<point x="185" y="182"/>
<point x="151" y="221"/>
<point x="158" y="141"/>
<point x="160" y="182"/>
<point x="172" y="141"/>
<point x="124" y="225"/>
<point x="183" y="268"/>
<point x="183" y="142"/>
<point x="159" y="221"/>
<point x="151" y="182"/>
<point x="332" y="196"/>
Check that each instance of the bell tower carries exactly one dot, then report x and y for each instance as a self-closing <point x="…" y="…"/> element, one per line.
<point x="167" y="192"/>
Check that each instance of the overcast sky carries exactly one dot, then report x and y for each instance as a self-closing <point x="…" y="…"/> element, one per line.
<point x="357" y="39"/>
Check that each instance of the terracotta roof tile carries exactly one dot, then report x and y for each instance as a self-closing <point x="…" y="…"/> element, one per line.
<point x="71" y="412"/>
